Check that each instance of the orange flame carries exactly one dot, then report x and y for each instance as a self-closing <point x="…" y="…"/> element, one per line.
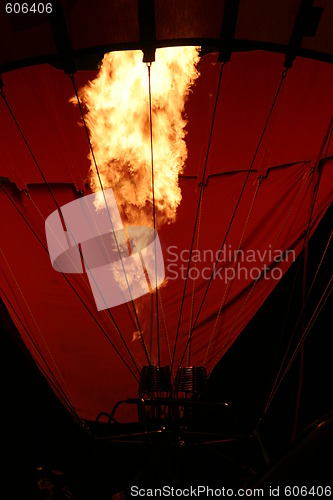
<point x="118" y="119"/>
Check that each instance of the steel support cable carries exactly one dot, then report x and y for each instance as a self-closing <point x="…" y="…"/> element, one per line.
<point x="70" y="284"/>
<point x="320" y="166"/>
<point x="52" y="379"/>
<point x="107" y="312"/>
<point x="284" y="325"/>
<point x="276" y="381"/>
<point x="31" y="340"/>
<point x="278" y="365"/>
<point x="39" y="330"/>
<point x="284" y="74"/>
<point x="193" y="287"/>
<point x="154" y="208"/>
<point x="315" y="315"/>
<point x="165" y="327"/>
<point x="220" y="353"/>
<point x="2" y="93"/>
<point x="107" y="208"/>
<point x="305" y="251"/>
<point x="202" y="185"/>
<point x="319" y="265"/>
<point x="229" y="284"/>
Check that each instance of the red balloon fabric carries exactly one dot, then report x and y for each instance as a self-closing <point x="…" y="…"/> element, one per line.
<point x="77" y="347"/>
